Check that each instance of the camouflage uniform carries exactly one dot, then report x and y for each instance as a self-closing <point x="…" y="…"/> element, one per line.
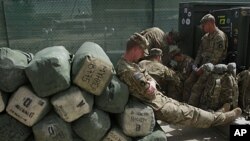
<point x="166" y="109"/>
<point x="213" y="48"/>
<point x="155" y="37"/>
<point x="167" y="79"/>
<point x="183" y="66"/>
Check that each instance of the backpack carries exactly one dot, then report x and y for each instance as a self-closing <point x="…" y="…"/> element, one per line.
<point x="244" y="90"/>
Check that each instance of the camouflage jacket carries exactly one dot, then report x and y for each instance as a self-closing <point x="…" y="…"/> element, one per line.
<point x="137" y="80"/>
<point x="155" y="37"/>
<point x="182" y="68"/>
<point x="213" y="48"/>
<point x="168" y="80"/>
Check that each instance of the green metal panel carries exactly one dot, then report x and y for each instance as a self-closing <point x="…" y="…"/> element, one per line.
<point x="235" y="22"/>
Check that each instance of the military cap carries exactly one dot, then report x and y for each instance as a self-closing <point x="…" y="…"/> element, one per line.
<point x="155" y="52"/>
<point x="206" y="18"/>
<point x="174" y="49"/>
<point x="141" y="41"/>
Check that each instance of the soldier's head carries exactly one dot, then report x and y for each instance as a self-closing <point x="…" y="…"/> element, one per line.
<point x="155" y="53"/>
<point x="174" y="51"/>
<point x="208" y="23"/>
<point x="173" y="37"/>
<point x="137" y="45"/>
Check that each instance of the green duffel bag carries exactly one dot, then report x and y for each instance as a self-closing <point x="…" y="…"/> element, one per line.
<point x="13" y="130"/>
<point x="114" y="98"/>
<point x="3" y="101"/>
<point x="116" y="134"/>
<point x="137" y="119"/>
<point x="12" y="66"/>
<point x="52" y="128"/>
<point x="92" y="126"/>
<point x="92" y="69"/>
<point x="49" y="71"/>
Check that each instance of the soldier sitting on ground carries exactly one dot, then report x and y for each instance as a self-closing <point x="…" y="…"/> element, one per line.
<point x="180" y="63"/>
<point x="167" y="79"/>
<point x="142" y="86"/>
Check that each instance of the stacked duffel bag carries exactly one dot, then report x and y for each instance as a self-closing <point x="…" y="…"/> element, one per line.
<point x="58" y="96"/>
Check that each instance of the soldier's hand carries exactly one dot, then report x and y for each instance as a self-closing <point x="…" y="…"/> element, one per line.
<point x="151" y="89"/>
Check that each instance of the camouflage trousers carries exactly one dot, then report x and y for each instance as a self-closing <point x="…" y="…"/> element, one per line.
<point x="188" y="84"/>
<point x="174" y="112"/>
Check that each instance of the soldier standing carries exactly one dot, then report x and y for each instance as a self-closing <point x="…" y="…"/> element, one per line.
<point x="142" y="86"/>
<point x="213" y="49"/>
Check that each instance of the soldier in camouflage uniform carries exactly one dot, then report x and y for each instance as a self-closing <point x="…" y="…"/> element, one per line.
<point x="157" y="38"/>
<point x="167" y="79"/>
<point x="142" y="86"/>
<point x="180" y="63"/>
<point x="213" y="49"/>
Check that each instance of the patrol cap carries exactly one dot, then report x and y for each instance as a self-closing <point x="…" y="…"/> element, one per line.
<point x="155" y="52"/>
<point x="139" y="40"/>
<point x="173" y="49"/>
<point x="206" y="18"/>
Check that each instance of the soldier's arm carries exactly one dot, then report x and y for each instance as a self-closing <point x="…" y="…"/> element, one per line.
<point x="138" y="83"/>
<point x="170" y="75"/>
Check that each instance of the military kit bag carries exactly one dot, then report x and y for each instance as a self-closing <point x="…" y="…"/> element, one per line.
<point x="244" y="90"/>
<point x="12" y="66"/>
<point x="137" y="119"/>
<point x="114" y="98"/>
<point x="92" y="126"/>
<point x="13" y="130"/>
<point x="27" y="107"/>
<point x="49" y="71"/>
<point x="52" y="128"/>
<point x="92" y="69"/>
<point x="72" y="103"/>
<point x="3" y="101"/>
<point x="115" y="134"/>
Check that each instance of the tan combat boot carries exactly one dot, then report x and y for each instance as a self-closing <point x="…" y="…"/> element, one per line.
<point x="227" y="117"/>
<point x="224" y="108"/>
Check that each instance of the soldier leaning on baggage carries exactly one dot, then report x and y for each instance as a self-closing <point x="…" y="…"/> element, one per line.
<point x="167" y="79"/>
<point x="142" y="86"/>
<point x="213" y="49"/>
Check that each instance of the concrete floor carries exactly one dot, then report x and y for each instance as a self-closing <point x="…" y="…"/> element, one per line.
<point x="178" y="133"/>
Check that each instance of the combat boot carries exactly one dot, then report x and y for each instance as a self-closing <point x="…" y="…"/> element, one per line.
<point x="227" y="117"/>
<point x="224" y="108"/>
